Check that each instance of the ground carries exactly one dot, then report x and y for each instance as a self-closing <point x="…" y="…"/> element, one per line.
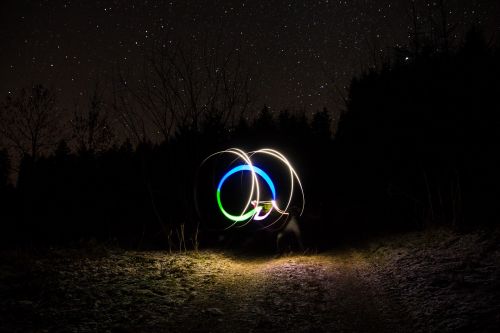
<point x="436" y="281"/>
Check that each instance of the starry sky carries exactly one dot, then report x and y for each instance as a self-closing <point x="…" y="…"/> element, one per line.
<point x="301" y="53"/>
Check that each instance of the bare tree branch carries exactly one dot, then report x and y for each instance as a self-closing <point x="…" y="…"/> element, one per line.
<point x="29" y="121"/>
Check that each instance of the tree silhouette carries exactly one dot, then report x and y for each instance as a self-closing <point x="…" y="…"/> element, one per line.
<point x="179" y="90"/>
<point x="413" y="133"/>
<point x="29" y="121"/>
<point x="321" y="125"/>
<point x="92" y="131"/>
<point x="416" y="146"/>
<point x="4" y="169"/>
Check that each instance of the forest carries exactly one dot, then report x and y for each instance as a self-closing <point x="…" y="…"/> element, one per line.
<point x="415" y="146"/>
<point x="110" y="174"/>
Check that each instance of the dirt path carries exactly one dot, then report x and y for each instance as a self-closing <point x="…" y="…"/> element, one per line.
<point x="426" y="282"/>
<point x="328" y="293"/>
<point x="157" y="292"/>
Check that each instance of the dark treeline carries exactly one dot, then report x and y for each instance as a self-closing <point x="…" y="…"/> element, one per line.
<point x="420" y="140"/>
<point x="139" y="196"/>
<point x="416" y="146"/>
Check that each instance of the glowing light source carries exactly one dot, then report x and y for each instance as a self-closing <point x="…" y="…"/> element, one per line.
<point x="255" y="209"/>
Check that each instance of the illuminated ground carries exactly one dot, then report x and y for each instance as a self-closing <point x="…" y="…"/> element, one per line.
<point x="438" y="283"/>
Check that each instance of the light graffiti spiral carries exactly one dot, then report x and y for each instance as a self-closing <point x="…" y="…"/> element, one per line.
<point x="257" y="207"/>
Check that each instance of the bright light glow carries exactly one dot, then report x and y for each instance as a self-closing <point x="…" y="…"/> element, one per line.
<point x="254" y="208"/>
<point x="257" y="209"/>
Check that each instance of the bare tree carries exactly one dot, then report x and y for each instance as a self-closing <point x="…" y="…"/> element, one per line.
<point x="432" y="29"/>
<point x="415" y="31"/>
<point x="228" y="84"/>
<point x="4" y="169"/>
<point x="445" y="30"/>
<point x="29" y="121"/>
<point x="91" y="125"/>
<point x="179" y="87"/>
<point x="126" y="111"/>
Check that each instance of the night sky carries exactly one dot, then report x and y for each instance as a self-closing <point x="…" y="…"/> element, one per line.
<point x="297" y="50"/>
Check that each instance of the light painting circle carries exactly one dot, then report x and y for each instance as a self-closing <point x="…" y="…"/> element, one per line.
<point x="256" y="209"/>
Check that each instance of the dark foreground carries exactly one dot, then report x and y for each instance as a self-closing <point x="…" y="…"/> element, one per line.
<point x="427" y="282"/>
